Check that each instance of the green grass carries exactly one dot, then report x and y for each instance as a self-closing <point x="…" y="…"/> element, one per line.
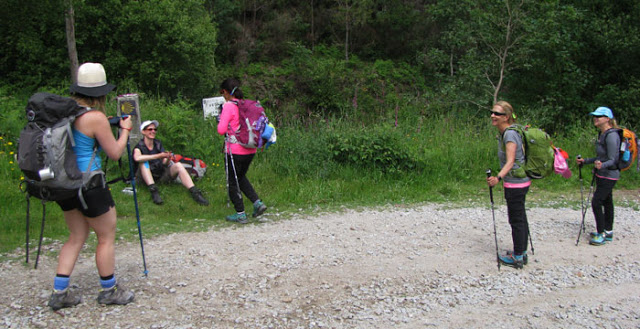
<point x="323" y="167"/>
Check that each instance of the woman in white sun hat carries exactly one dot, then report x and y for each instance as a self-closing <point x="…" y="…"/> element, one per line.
<point x="91" y="130"/>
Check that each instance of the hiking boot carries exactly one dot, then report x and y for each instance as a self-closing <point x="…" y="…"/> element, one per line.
<point x="516" y="261"/>
<point x="155" y="194"/>
<point x="258" y="208"/>
<point x="115" y="295"/>
<point x="597" y="240"/>
<point x="525" y="258"/>
<point x="238" y="218"/>
<point x="64" y="298"/>
<point x="196" y="194"/>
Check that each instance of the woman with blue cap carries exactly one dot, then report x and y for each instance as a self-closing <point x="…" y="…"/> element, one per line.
<point x="606" y="174"/>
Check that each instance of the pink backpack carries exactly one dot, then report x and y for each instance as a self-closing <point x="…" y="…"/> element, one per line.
<point x="252" y="123"/>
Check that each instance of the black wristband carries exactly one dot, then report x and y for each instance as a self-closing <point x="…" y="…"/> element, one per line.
<point x="499" y="178"/>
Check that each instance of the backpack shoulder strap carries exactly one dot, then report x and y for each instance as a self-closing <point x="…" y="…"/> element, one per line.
<point x="83" y="110"/>
<point x="606" y="134"/>
<point x="515" y="127"/>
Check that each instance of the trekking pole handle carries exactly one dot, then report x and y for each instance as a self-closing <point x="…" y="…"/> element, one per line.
<point x="578" y="157"/>
<point x="490" y="187"/>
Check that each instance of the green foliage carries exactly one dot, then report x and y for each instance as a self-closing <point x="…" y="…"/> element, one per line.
<point x="565" y="58"/>
<point x="376" y="148"/>
<point x="167" y="47"/>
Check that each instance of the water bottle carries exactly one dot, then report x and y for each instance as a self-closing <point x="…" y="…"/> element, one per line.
<point x="624" y="149"/>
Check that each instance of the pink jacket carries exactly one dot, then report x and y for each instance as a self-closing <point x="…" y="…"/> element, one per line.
<point x="230" y="123"/>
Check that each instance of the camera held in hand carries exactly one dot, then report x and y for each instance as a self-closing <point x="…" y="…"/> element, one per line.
<point x="115" y="121"/>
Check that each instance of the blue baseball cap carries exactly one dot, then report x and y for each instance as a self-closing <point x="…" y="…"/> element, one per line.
<point x="602" y="111"/>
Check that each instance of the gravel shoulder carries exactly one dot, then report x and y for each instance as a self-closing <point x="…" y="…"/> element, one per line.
<point x="425" y="266"/>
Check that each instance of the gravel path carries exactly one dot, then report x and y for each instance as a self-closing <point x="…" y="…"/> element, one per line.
<point x="429" y="266"/>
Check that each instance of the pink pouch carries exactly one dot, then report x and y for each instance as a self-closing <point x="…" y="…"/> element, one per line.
<point x="560" y="165"/>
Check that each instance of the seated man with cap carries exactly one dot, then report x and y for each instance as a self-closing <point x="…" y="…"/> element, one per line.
<point x="156" y="165"/>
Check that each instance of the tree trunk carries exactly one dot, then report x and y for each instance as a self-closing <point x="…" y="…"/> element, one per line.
<point x="71" y="41"/>
<point x="346" y="32"/>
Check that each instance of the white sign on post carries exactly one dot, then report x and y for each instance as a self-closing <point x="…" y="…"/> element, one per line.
<point x="212" y="106"/>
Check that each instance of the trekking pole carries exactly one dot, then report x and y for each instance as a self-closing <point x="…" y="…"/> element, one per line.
<point x="235" y="174"/>
<point x="581" y="199"/>
<point x="44" y="212"/>
<point x="584" y="211"/>
<point x="495" y="233"/>
<point x="132" y="179"/>
<point x="225" y="150"/>
<point x="27" y="230"/>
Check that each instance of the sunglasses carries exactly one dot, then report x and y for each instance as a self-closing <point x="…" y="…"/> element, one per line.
<point x="600" y="116"/>
<point x="151" y="129"/>
<point x="497" y="113"/>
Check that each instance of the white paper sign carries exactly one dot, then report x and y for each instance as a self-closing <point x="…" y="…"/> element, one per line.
<point x="212" y="106"/>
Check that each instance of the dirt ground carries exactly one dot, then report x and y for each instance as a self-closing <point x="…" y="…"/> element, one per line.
<point x="426" y="266"/>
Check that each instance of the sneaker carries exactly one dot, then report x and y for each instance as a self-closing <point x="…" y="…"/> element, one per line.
<point x="525" y="258"/>
<point x="608" y="235"/>
<point x="64" y="298"/>
<point x="258" y="208"/>
<point x="115" y="295"/>
<point x="197" y="196"/>
<point x="597" y="240"/>
<point x="238" y="218"/>
<point x="516" y="261"/>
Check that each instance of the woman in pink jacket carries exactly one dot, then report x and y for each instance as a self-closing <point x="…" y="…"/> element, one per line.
<point x="238" y="157"/>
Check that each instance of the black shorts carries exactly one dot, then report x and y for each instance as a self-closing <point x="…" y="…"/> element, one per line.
<point x="98" y="200"/>
<point x="161" y="175"/>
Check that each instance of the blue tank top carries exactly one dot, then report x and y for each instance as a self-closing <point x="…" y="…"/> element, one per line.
<point x="84" y="151"/>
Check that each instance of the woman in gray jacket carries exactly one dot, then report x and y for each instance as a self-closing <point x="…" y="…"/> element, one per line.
<point x="606" y="173"/>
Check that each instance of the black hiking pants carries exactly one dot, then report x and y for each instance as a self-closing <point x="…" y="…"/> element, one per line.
<point x="238" y="167"/>
<point x="517" y="218"/>
<point x="602" y="204"/>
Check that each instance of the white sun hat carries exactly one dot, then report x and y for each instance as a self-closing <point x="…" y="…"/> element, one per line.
<point x="92" y="81"/>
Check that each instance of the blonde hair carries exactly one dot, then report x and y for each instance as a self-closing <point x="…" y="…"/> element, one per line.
<point x="508" y="109"/>
<point x="92" y="102"/>
<point x="613" y="123"/>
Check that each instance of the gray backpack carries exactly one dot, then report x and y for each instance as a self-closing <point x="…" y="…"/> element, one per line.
<point x="45" y="149"/>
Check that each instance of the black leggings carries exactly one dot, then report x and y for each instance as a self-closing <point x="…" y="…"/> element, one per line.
<point x="517" y="218"/>
<point x="241" y="165"/>
<point x="602" y="204"/>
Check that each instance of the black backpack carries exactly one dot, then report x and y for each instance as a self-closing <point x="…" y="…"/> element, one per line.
<point x="45" y="148"/>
